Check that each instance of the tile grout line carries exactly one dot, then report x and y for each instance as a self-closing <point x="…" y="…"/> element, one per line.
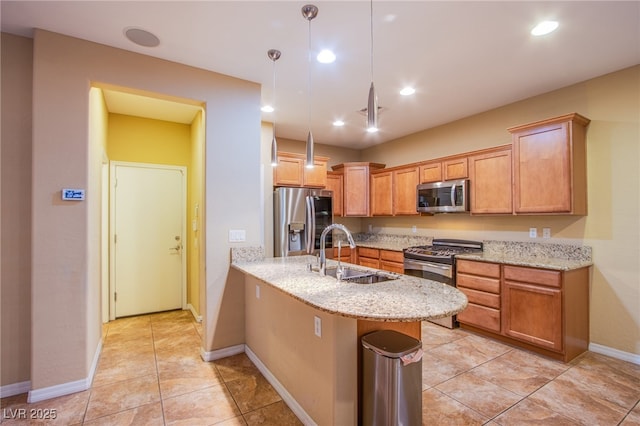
<point x="155" y="360"/>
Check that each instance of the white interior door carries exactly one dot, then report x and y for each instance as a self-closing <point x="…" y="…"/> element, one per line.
<point x="148" y="229"/>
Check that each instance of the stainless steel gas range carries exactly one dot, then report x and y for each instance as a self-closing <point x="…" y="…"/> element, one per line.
<point x="437" y="262"/>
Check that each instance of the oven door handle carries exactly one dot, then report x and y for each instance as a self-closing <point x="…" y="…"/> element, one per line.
<point x="423" y="263"/>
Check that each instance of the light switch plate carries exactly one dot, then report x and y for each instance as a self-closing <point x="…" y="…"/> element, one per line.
<point x="546" y="232"/>
<point x="533" y="232"/>
<point x="237" y="235"/>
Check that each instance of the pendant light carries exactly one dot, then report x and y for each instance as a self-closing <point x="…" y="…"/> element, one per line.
<point x="274" y="55"/>
<point x="372" y="103"/>
<point x="309" y="12"/>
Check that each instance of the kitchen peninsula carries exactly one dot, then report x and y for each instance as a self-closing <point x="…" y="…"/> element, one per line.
<point x="303" y="330"/>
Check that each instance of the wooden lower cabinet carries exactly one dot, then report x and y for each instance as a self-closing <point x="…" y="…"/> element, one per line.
<point x="387" y="260"/>
<point x="480" y="282"/>
<point x="369" y="257"/>
<point x="345" y="253"/>
<point x="392" y="261"/>
<point x="543" y="310"/>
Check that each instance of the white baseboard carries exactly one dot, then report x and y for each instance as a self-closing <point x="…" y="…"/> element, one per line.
<point x="55" y="391"/>
<point x="614" y="353"/>
<point x="221" y="353"/>
<point x="282" y="391"/>
<point x="197" y="317"/>
<point x="15" y="389"/>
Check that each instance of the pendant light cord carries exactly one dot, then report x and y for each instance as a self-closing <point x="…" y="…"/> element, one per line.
<point x="371" y="32"/>
<point x="309" y="78"/>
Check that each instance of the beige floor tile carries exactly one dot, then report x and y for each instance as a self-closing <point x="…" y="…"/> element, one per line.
<point x="440" y="409"/>
<point x="520" y="372"/>
<point x="438" y="370"/>
<point x="569" y="398"/>
<point x="116" y="366"/>
<point x="148" y="415"/>
<point x="113" y="398"/>
<point x="253" y="392"/>
<point x="236" y="367"/>
<point x="527" y="412"/>
<point x="480" y="395"/>
<point x="204" y="407"/>
<point x="276" y="414"/>
<point x="63" y="410"/>
<point x="186" y="376"/>
<point x="435" y="335"/>
<point x="633" y="418"/>
<point x="470" y="351"/>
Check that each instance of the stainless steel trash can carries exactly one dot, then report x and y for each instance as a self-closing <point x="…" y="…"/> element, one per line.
<point x="391" y="379"/>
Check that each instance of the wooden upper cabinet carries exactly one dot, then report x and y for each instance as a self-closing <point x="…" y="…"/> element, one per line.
<point x="446" y="169"/>
<point x="356" y="187"/>
<point x="334" y="184"/>
<point x="431" y="172"/>
<point x="549" y="166"/>
<point x="490" y="182"/>
<point x="289" y="170"/>
<point x="292" y="172"/>
<point x="405" y="181"/>
<point x="455" y="168"/>
<point x="316" y="177"/>
<point x="382" y="193"/>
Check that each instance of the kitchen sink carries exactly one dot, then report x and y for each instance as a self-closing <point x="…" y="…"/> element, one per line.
<point x="360" y="276"/>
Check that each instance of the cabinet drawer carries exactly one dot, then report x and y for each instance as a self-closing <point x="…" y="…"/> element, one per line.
<point x="368" y="252"/>
<point x="478" y="268"/>
<point x="481" y="298"/>
<point x="481" y="316"/>
<point x="534" y="276"/>
<point x="392" y="256"/>
<point x="490" y="285"/>
<point x="369" y="263"/>
<point x="392" y="266"/>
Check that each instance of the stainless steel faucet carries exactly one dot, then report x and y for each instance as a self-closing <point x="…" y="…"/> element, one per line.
<point x="323" y="237"/>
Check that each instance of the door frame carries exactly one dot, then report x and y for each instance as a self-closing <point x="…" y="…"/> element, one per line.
<point x="183" y="226"/>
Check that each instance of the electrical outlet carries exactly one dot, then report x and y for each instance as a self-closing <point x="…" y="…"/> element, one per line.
<point x="370" y="228"/>
<point x="317" y="326"/>
<point x="414" y="229"/>
<point x="257" y="292"/>
<point x="533" y="232"/>
<point x="546" y="232"/>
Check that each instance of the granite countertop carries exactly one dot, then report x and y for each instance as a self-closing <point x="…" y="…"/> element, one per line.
<point x="561" y="257"/>
<point x="405" y="299"/>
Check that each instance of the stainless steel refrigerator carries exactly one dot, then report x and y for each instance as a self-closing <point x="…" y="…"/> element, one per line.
<point x="300" y="215"/>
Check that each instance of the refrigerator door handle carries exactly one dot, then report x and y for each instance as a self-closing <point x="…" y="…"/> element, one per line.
<point x="311" y="225"/>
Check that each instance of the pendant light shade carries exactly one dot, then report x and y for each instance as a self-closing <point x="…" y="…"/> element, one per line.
<point x="274" y="55"/>
<point x="372" y="102"/>
<point x="309" y="12"/>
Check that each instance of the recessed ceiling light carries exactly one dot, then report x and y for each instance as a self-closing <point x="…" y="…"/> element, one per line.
<point x="141" y="37"/>
<point x="267" y="108"/>
<point x="326" y="56"/>
<point x="338" y="123"/>
<point x="544" y="27"/>
<point x="407" y="91"/>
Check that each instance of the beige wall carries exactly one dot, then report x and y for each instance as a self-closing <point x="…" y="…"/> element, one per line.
<point x="319" y="372"/>
<point x="15" y="210"/>
<point x="611" y="227"/>
<point x="64" y="339"/>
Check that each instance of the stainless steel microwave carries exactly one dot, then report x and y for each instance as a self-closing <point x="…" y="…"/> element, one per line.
<point x="450" y="196"/>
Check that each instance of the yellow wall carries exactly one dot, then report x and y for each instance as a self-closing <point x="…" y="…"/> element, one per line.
<point x="611" y="228"/>
<point x="144" y="140"/>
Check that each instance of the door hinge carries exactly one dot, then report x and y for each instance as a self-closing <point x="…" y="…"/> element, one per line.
<point x="115" y="238"/>
<point x="115" y="297"/>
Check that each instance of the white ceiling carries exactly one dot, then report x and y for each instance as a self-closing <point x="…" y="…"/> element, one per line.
<point x="462" y="57"/>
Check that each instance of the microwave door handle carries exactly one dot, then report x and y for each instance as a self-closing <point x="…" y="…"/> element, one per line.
<point x="311" y="225"/>
<point x="453" y="195"/>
